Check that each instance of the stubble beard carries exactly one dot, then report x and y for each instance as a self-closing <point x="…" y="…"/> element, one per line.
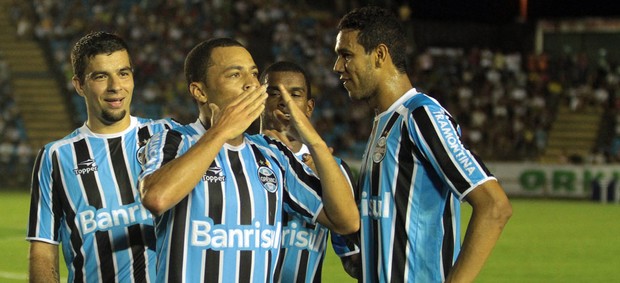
<point x="109" y="117"/>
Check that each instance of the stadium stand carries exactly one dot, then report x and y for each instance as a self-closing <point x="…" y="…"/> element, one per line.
<point x="512" y="105"/>
<point x="15" y="151"/>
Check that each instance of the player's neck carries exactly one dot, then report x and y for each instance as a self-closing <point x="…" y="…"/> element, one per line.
<point x="392" y="90"/>
<point x="236" y="141"/>
<point x="296" y="146"/>
<point x="98" y="127"/>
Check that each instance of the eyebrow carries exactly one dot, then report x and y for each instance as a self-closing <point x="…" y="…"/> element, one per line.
<point x="94" y="73"/>
<point x="342" y="50"/>
<point x="237" y="67"/>
<point x="296" y="88"/>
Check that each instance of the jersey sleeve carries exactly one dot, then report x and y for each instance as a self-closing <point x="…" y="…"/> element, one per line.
<point x="439" y="143"/>
<point x="45" y="212"/>
<point x="159" y="150"/>
<point x="302" y="188"/>
<point x="344" y="245"/>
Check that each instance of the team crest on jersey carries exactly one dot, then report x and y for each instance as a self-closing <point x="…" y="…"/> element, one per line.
<point x="141" y="155"/>
<point x="380" y="149"/>
<point x="214" y="175"/>
<point x="85" y="167"/>
<point x="268" y="178"/>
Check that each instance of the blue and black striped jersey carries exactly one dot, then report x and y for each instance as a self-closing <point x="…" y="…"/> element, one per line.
<point x="84" y="195"/>
<point x="414" y="172"/>
<point x="228" y="229"/>
<point x="304" y="244"/>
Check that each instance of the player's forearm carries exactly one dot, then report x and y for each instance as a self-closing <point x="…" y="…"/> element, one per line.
<point x="43" y="265"/>
<point x="484" y="229"/>
<point x="171" y="183"/>
<point x="338" y="201"/>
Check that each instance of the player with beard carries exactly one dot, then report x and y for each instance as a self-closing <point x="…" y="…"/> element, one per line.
<point x="84" y="187"/>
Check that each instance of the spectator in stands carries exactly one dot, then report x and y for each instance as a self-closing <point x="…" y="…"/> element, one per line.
<point x="501" y="84"/>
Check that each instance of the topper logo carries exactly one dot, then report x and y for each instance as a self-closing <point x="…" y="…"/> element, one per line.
<point x="85" y="167"/>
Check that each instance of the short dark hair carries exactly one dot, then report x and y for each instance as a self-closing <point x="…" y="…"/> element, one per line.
<point x="286" y="66"/>
<point x="378" y="25"/>
<point x="91" y="45"/>
<point x="199" y="58"/>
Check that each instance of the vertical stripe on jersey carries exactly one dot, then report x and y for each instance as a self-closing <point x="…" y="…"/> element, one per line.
<point x="375" y="185"/>
<point x="425" y="124"/>
<point x="280" y="262"/>
<point x="272" y="198"/>
<point x="447" y="247"/>
<point x="177" y="242"/>
<point x="135" y="240"/>
<point x="175" y="264"/>
<point x="35" y="195"/>
<point x="66" y="205"/>
<point x="89" y="181"/>
<point x="272" y="202"/>
<point x="245" y="216"/>
<point x="215" y="197"/>
<point x="303" y="266"/>
<point x="402" y="194"/>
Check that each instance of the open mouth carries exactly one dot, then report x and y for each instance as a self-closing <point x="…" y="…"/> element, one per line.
<point x="114" y="102"/>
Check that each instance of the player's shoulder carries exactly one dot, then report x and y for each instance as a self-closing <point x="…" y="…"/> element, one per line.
<point x="76" y="134"/>
<point x="260" y="139"/>
<point x="420" y="99"/>
<point x="163" y="122"/>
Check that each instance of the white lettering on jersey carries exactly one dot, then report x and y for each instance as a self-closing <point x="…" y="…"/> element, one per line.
<point x="454" y="143"/>
<point x="246" y="237"/>
<point x="376" y="207"/>
<point x="92" y="220"/>
<point x="294" y="235"/>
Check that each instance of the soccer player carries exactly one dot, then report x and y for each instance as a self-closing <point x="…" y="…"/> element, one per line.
<point x="304" y="243"/>
<point x="84" y="188"/>
<point x="218" y="194"/>
<point x="415" y="169"/>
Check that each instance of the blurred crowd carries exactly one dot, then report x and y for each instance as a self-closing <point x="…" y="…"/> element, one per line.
<point x="504" y="102"/>
<point x="16" y="155"/>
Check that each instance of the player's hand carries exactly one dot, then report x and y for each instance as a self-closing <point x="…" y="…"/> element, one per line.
<point x="301" y="129"/>
<point x="239" y="114"/>
<point x="308" y="160"/>
<point x="273" y="121"/>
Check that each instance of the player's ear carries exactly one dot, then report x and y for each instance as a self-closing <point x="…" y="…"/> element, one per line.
<point x="309" y="107"/>
<point x="77" y="85"/>
<point x="196" y="89"/>
<point x="381" y="55"/>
